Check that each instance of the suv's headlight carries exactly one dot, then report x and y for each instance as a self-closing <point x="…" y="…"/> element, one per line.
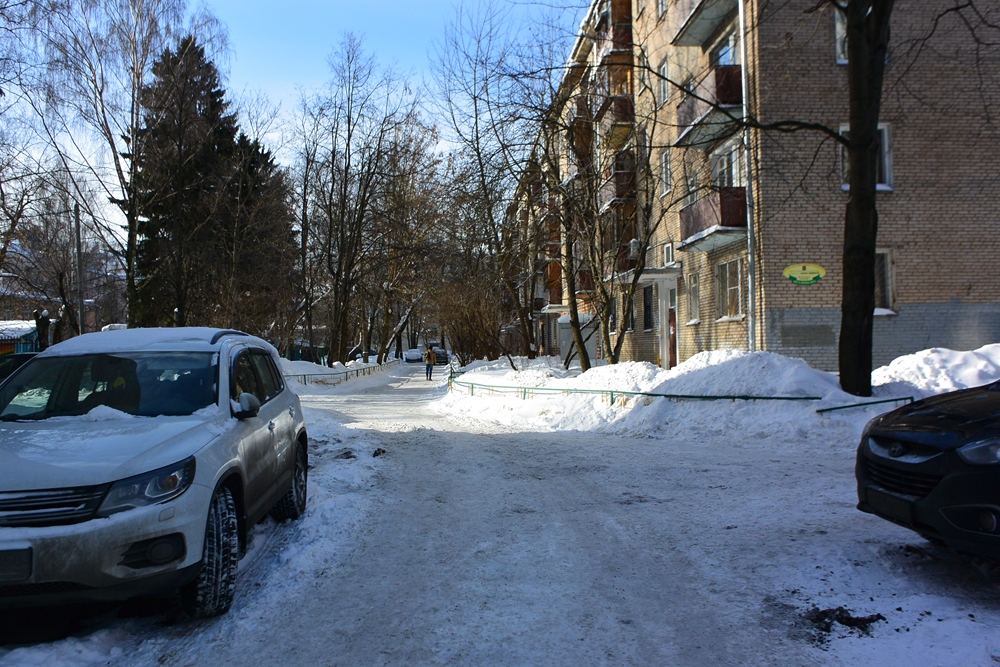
<point x="985" y="452"/>
<point x="148" y="489"/>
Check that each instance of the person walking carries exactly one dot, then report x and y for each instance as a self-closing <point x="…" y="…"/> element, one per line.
<point x="430" y="359"/>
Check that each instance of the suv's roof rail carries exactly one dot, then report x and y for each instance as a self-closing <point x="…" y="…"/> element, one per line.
<point x="227" y="332"/>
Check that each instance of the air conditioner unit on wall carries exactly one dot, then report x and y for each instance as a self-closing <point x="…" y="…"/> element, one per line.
<point x="634" y="248"/>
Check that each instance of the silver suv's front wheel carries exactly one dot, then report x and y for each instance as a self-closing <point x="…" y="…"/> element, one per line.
<point x="211" y="593"/>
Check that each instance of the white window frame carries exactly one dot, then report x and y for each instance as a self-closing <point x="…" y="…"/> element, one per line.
<point x="840" y="36"/>
<point x="691" y="191"/>
<point x="640" y="7"/>
<point x="731" y="157"/>
<point x="661" y="8"/>
<point x="663" y="83"/>
<point x="666" y="173"/>
<point x="727" y="290"/>
<point x="693" y="288"/>
<point x="885" y="145"/>
<point x="668" y="254"/>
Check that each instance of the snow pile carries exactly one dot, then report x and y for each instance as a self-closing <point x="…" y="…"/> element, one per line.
<point x="709" y="374"/>
<point x="103" y="413"/>
<point x="97" y="648"/>
<point x="309" y="368"/>
<point x="938" y="370"/>
<point x="715" y="373"/>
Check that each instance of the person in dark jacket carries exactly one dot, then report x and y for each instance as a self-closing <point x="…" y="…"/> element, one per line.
<point x="430" y="359"/>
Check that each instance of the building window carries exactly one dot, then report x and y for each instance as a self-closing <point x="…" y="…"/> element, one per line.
<point x="666" y="175"/>
<point x="883" y="166"/>
<point x="663" y="83"/>
<point x="693" y="298"/>
<point x="840" y="35"/>
<point x="727" y="166"/>
<point x="691" y="194"/>
<point x="726" y="52"/>
<point x="628" y="313"/>
<point x="668" y="254"/>
<point x="727" y="281"/>
<point x="661" y="7"/>
<point x="640" y="7"/>
<point x="647" y="308"/>
<point x="613" y="316"/>
<point x="883" y="280"/>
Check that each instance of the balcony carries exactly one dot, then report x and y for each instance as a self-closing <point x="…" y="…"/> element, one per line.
<point x="717" y="220"/>
<point x="618" y="189"/>
<point x="554" y="286"/>
<point x="615" y="45"/>
<point x="625" y="260"/>
<point x="700" y="19"/>
<point x="618" y="121"/>
<point x="708" y="114"/>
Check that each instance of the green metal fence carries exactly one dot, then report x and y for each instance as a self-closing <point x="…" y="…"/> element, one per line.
<point x="612" y="394"/>
<point x="339" y="376"/>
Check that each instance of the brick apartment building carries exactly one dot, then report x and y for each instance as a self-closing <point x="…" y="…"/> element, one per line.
<point x="727" y="214"/>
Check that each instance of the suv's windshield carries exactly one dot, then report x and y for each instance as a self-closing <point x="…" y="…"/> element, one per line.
<point x="144" y="384"/>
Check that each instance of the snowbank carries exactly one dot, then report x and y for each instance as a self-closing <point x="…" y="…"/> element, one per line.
<point x="715" y="373"/>
<point x="938" y="370"/>
<point x="309" y="368"/>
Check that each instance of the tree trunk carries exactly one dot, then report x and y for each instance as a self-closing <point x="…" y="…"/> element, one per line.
<point x="867" y="44"/>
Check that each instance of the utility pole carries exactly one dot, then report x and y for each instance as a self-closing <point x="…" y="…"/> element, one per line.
<point x="79" y="264"/>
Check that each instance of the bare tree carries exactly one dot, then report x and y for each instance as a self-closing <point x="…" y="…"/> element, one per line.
<point x="95" y="58"/>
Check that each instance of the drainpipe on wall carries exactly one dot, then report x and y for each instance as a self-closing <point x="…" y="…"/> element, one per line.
<point x="748" y="167"/>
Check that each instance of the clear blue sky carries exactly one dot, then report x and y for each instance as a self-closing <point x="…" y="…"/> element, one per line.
<point x="276" y="47"/>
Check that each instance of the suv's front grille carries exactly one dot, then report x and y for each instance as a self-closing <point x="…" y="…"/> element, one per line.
<point x="51" y="507"/>
<point x="906" y="482"/>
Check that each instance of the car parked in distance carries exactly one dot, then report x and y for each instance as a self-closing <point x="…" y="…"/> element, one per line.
<point x="358" y="353"/>
<point x="413" y="355"/>
<point x="134" y="462"/>
<point x="934" y="467"/>
<point x="11" y="362"/>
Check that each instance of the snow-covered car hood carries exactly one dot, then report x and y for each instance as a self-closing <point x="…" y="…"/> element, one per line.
<point x="77" y="451"/>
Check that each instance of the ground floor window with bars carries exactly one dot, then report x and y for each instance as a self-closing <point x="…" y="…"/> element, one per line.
<point x="728" y="279"/>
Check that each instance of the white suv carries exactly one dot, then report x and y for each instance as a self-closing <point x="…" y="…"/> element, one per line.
<point x="134" y="462"/>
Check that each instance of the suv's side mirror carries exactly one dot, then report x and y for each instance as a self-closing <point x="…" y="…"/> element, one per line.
<point x="249" y="406"/>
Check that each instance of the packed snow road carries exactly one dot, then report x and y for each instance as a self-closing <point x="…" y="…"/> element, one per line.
<point x="475" y="544"/>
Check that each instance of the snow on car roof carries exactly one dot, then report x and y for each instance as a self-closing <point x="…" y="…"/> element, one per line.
<point x="135" y="340"/>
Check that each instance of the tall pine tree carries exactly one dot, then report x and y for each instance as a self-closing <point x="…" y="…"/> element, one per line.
<point x="185" y="168"/>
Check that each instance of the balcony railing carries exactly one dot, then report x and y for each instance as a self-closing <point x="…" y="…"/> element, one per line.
<point x="620" y="187"/>
<point x="715" y="220"/>
<point x="708" y="113"/>
<point x="619" y="121"/>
